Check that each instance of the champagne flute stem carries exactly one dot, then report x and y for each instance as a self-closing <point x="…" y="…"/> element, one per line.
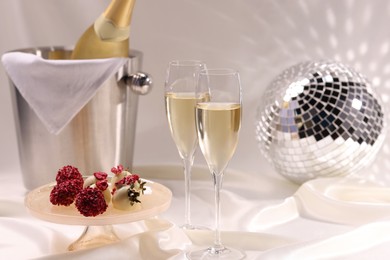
<point x="187" y="162"/>
<point x="217" y="178"/>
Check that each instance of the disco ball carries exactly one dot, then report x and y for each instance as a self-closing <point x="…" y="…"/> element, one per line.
<point x="319" y="119"/>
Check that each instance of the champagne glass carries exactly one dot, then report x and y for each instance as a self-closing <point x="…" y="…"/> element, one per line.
<point x="180" y="104"/>
<point x="218" y="121"/>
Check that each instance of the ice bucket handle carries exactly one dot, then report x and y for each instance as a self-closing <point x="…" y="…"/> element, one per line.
<point x="140" y="83"/>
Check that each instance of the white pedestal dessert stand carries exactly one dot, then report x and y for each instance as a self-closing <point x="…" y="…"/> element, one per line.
<point x="99" y="230"/>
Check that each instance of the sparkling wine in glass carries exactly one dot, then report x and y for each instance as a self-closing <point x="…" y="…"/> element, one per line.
<point x="218" y="122"/>
<point x="180" y="102"/>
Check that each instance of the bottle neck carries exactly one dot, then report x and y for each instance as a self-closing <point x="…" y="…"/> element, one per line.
<point x="114" y="23"/>
<point x="119" y="12"/>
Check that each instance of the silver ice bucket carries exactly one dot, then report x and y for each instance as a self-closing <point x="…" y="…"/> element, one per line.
<point x="99" y="137"/>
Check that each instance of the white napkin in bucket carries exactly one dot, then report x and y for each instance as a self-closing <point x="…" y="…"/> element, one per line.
<point x="58" y="89"/>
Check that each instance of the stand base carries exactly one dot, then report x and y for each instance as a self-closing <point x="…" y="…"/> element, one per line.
<point x="213" y="254"/>
<point x="193" y="227"/>
<point x="95" y="236"/>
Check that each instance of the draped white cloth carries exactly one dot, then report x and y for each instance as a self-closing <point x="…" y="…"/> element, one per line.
<point x="339" y="218"/>
<point x="58" y="89"/>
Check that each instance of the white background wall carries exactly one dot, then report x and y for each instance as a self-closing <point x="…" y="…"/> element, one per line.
<point x="258" y="37"/>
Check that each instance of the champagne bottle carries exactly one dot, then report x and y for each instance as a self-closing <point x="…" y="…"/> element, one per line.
<point x="109" y="35"/>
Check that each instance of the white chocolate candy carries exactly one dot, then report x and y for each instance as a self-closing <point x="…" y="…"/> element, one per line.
<point x="118" y="177"/>
<point x="120" y="199"/>
<point x="107" y="195"/>
<point x="89" y="181"/>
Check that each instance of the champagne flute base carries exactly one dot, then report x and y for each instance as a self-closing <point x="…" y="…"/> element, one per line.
<point x="216" y="253"/>
<point x="193" y="227"/>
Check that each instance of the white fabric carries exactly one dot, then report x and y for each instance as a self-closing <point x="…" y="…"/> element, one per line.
<point x="255" y="218"/>
<point x="346" y="201"/>
<point x="58" y="89"/>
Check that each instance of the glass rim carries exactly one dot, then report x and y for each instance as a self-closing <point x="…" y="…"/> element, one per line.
<point x="218" y="71"/>
<point x="188" y="62"/>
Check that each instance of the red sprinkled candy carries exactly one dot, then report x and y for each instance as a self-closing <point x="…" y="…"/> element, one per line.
<point x="102" y="185"/>
<point x="65" y="193"/>
<point x="117" y="170"/>
<point x="90" y="202"/>
<point x="128" y="180"/>
<point x="100" y="175"/>
<point x="67" y="173"/>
